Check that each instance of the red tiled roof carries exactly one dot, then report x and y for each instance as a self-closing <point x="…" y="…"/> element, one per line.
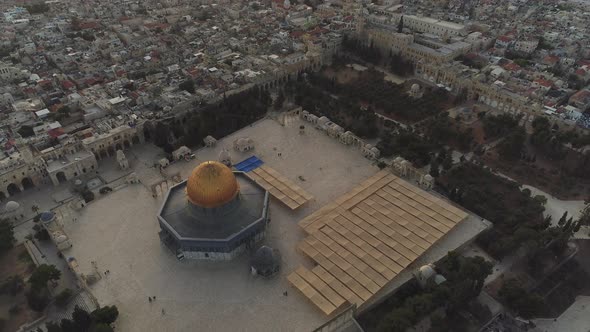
<point x="551" y="59"/>
<point x="88" y="25"/>
<point x="55" y="133"/>
<point x="543" y="82"/>
<point x="512" y="66"/>
<point x="67" y="84"/>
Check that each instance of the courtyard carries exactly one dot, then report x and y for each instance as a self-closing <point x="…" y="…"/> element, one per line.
<point x="120" y="233"/>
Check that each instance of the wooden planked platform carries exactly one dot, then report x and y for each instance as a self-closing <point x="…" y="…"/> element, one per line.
<point x="279" y="186"/>
<point x="365" y="238"/>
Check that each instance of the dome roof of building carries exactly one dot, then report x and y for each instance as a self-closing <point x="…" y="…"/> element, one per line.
<point x="46" y="216"/>
<point x="211" y="185"/>
<point x="12" y="206"/>
<point x="224" y="155"/>
<point x="427" y="272"/>
<point x="415" y="87"/>
<point x="266" y="261"/>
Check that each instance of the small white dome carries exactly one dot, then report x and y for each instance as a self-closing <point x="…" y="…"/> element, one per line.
<point x="415" y="87"/>
<point x="61" y="238"/>
<point x="427" y="272"/>
<point x="428" y="177"/>
<point x="224" y="154"/>
<point x="12" y="206"/>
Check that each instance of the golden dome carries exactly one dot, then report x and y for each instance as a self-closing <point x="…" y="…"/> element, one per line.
<point x="211" y="184"/>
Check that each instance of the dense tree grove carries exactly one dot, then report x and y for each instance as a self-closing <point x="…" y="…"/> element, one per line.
<point x="408" y="145"/>
<point x="511" y="148"/>
<point x="400" y="66"/>
<point x="218" y="120"/>
<point x="188" y="86"/>
<point x="387" y="98"/>
<point x="411" y="303"/>
<point x="443" y="129"/>
<point x="37" y="8"/>
<point x="6" y="236"/>
<point x="38" y="294"/>
<point x="313" y="95"/>
<point x="99" y="320"/>
<point x="498" y="125"/>
<point x="368" y="53"/>
<point x="525" y="304"/>
<point x="517" y="216"/>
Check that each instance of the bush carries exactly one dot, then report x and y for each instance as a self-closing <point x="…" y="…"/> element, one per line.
<point x="38" y="299"/>
<point x="42" y="274"/>
<point x="12" y="285"/>
<point x="524" y="303"/>
<point x="14" y="309"/>
<point x="6" y="236"/>
<point x="106" y="315"/>
<point x="87" y="195"/>
<point x="63" y="297"/>
<point x="42" y="235"/>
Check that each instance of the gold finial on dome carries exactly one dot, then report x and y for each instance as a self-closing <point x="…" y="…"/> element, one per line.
<point x="211" y="184"/>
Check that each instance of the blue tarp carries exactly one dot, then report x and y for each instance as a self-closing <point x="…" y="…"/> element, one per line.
<point x="249" y="164"/>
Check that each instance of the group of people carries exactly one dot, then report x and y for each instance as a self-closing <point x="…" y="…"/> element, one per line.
<point x="153" y="298"/>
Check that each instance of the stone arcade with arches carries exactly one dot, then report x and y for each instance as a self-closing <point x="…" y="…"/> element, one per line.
<point x="32" y="166"/>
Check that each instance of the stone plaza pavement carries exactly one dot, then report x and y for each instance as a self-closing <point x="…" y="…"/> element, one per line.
<point x="120" y="232"/>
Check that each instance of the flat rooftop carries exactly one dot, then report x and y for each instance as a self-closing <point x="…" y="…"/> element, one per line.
<point x="119" y="231"/>
<point x="67" y="160"/>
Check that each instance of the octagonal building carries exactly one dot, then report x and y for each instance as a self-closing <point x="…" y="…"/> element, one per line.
<point x="215" y="214"/>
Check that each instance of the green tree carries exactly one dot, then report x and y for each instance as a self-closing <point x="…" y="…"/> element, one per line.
<point x="524" y="303"/>
<point x="106" y="315"/>
<point x="63" y="297"/>
<point x="563" y="219"/>
<point x="26" y="131"/>
<point x="6" y="235"/>
<point x="65" y="110"/>
<point x="584" y="218"/>
<point x="12" y="285"/>
<point x="278" y="104"/>
<point x="67" y="325"/>
<point x="511" y="147"/>
<point x="399" y="320"/>
<point x="434" y="168"/>
<point x="38" y="299"/>
<point x="101" y="328"/>
<point x="42" y="274"/>
<point x="81" y="319"/>
<point x="188" y="86"/>
<point x="447" y="162"/>
<point x="53" y="327"/>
